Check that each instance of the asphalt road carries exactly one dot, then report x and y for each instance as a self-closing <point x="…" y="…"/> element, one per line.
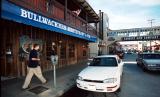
<point x="135" y="83"/>
<point x="130" y="57"/>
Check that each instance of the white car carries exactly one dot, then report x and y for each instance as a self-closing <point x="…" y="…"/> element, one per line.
<point x="102" y="75"/>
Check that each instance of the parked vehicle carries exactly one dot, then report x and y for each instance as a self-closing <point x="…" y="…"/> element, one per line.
<point x="139" y="59"/>
<point x="129" y="51"/>
<point x="102" y="75"/>
<point x="149" y="61"/>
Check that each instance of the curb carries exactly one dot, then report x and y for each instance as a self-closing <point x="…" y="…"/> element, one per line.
<point x="61" y="92"/>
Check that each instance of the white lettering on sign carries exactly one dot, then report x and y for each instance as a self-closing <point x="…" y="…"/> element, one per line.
<point x="157" y="37"/>
<point x="23" y="13"/>
<point x="35" y="17"/>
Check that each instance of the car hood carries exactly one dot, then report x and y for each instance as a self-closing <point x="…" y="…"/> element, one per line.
<point x="98" y="73"/>
<point x="152" y="61"/>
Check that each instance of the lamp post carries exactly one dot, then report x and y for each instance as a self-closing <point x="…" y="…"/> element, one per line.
<point x="151" y="32"/>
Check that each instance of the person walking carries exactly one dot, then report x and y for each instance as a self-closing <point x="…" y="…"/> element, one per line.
<point x="33" y="67"/>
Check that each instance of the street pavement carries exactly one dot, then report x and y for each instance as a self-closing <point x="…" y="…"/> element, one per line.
<point x="130" y="57"/>
<point x="135" y="83"/>
<point x="65" y="80"/>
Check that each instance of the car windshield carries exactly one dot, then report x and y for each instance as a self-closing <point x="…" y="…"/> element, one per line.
<point x="105" y="61"/>
<point x="151" y="56"/>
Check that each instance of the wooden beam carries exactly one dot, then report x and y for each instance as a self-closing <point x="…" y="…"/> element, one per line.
<point x="65" y="11"/>
<point x="81" y="3"/>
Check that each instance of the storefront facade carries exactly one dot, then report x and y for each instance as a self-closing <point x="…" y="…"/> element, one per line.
<point x="23" y="26"/>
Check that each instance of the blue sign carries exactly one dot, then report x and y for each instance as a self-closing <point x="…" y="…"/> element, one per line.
<point x="22" y="15"/>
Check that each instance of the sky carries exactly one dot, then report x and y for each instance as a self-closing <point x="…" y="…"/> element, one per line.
<point x="125" y="14"/>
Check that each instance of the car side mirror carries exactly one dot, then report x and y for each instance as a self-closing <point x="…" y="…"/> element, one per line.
<point x="88" y="64"/>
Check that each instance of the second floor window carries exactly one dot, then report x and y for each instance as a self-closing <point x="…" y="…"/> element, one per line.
<point x="49" y="6"/>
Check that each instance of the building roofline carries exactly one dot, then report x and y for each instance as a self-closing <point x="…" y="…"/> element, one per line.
<point x="86" y="6"/>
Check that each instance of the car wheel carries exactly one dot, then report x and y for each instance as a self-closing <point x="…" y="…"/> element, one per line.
<point x="140" y="65"/>
<point x="119" y="89"/>
<point x="144" y="69"/>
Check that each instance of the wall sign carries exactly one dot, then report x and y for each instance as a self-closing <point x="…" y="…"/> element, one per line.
<point x="22" y="15"/>
<point x="26" y="43"/>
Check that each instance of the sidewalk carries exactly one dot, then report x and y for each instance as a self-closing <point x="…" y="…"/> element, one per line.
<point x="66" y="78"/>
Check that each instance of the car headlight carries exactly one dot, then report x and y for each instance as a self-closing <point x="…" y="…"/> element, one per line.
<point x="150" y="65"/>
<point x="110" y="80"/>
<point x="80" y="78"/>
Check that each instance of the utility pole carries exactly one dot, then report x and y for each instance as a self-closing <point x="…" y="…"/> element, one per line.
<point x="151" y="32"/>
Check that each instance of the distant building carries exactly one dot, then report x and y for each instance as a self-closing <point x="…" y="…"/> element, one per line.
<point x="100" y="46"/>
<point x="133" y="34"/>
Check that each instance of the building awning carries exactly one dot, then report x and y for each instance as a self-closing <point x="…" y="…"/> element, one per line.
<point x="93" y="15"/>
<point x="16" y="13"/>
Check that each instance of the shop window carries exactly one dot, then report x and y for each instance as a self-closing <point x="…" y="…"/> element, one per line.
<point x="49" y="49"/>
<point x="71" y="50"/>
<point x="63" y="51"/>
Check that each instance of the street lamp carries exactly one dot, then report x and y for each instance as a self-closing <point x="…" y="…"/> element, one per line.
<point x="151" y="32"/>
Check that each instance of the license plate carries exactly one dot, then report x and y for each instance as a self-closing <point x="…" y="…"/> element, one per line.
<point x="91" y="87"/>
<point x="99" y="87"/>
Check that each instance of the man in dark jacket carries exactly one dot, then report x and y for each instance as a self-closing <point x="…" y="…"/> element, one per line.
<point x="33" y="67"/>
